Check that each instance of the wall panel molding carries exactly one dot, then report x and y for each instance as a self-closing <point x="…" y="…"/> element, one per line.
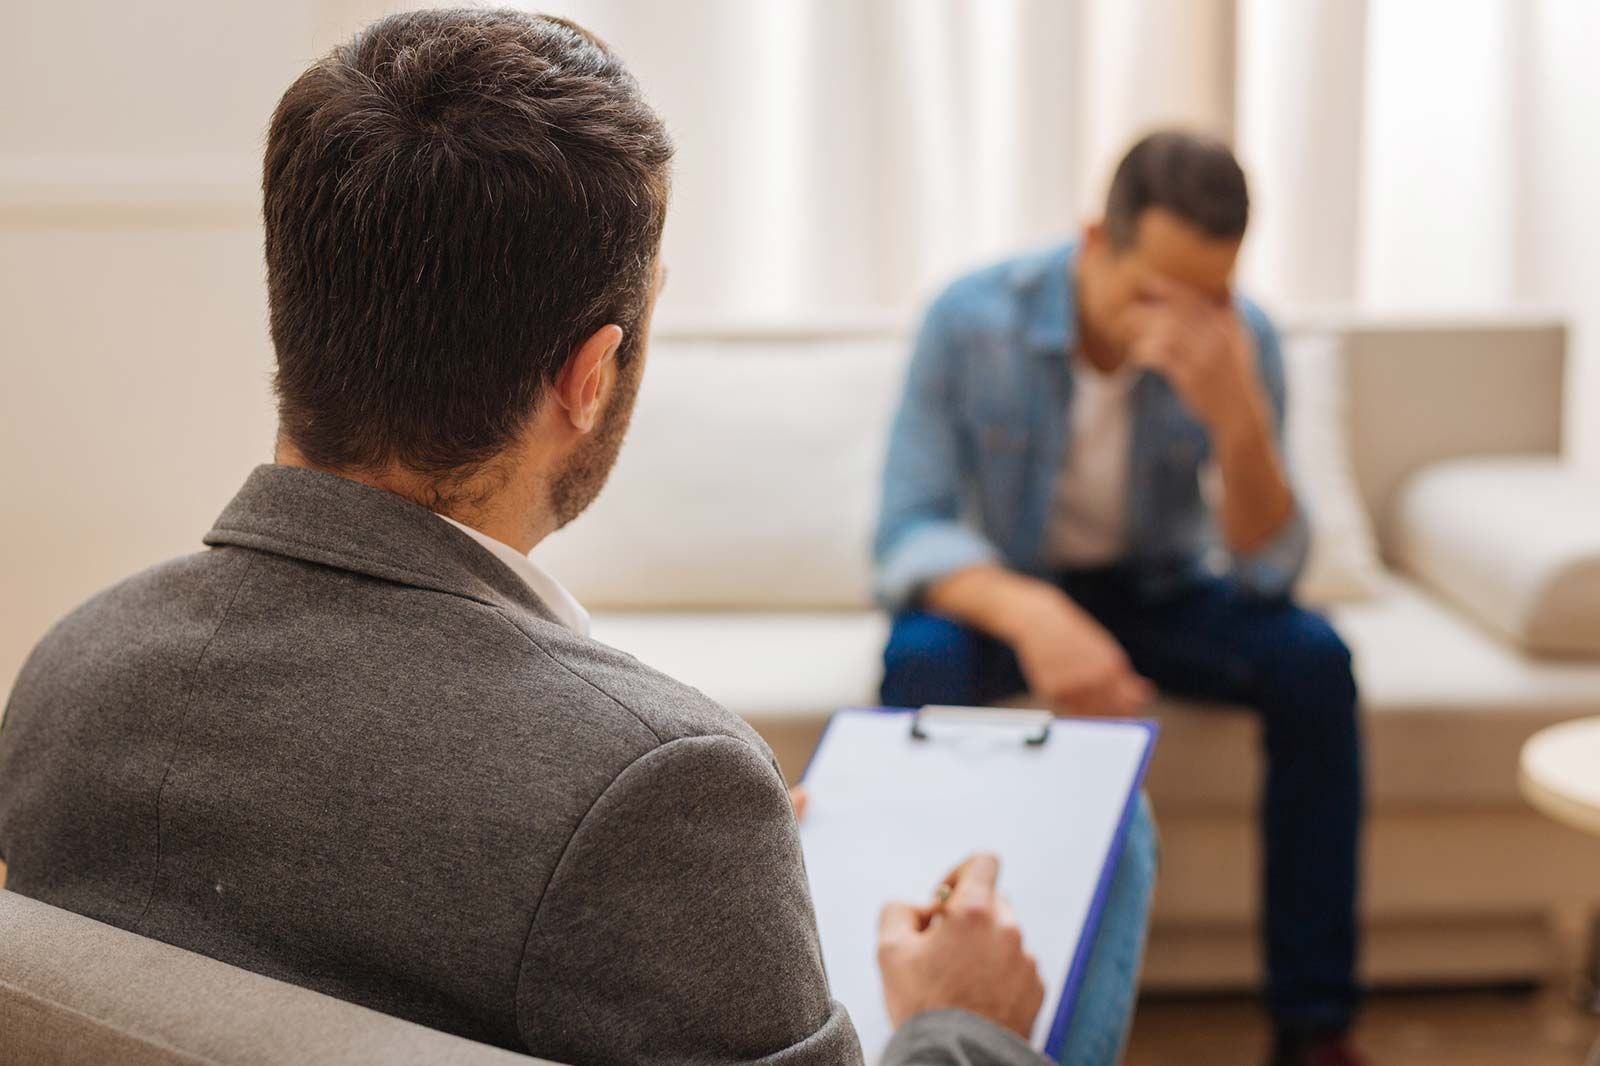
<point x="47" y="190"/>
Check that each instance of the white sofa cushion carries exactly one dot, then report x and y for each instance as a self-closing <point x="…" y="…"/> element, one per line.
<point x="761" y="664"/>
<point x="750" y="479"/>
<point x="1343" y="566"/>
<point x="1419" y="665"/>
<point x="1513" y="541"/>
<point x="1413" y="654"/>
<point x="1417" y="655"/>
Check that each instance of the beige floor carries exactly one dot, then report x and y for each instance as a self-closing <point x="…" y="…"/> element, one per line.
<point x="1397" y="1029"/>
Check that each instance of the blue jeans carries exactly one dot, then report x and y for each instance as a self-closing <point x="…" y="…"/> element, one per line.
<point x="1100" y="1021"/>
<point x="1208" y="641"/>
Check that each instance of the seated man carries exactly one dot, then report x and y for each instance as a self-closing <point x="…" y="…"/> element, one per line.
<point x="363" y="744"/>
<point x="1046" y="528"/>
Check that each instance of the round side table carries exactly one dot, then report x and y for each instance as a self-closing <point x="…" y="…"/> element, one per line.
<point x="1559" y="774"/>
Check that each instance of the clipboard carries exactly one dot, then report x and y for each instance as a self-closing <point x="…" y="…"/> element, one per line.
<point x="899" y="797"/>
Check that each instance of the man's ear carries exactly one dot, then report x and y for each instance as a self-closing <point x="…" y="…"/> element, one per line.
<point x="1094" y="235"/>
<point x="585" y="382"/>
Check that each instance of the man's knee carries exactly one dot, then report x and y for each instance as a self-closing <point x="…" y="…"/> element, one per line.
<point x="918" y="639"/>
<point x="1317" y="651"/>
<point x="929" y="659"/>
<point x="1311" y="673"/>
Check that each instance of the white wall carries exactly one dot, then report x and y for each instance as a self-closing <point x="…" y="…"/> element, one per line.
<point x="132" y="313"/>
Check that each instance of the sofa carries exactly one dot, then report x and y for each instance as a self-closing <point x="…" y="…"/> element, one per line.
<point x="730" y="550"/>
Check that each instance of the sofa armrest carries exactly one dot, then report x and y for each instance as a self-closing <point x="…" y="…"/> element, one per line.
<point x="1513" y="542"/>
<point x="1432" y="389"/>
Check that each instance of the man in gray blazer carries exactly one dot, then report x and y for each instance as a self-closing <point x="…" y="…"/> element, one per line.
<point x="361" y="743"/>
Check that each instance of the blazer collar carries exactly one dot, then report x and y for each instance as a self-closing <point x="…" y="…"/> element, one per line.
<point x="331" y="520"/>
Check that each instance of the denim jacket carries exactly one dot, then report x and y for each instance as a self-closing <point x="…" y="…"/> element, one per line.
<point x="981" y="433"/>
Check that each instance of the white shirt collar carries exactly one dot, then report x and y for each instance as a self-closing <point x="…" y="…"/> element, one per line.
<point x="568" y="611"/>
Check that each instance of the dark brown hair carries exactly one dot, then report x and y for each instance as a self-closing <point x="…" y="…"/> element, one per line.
<point x="454" y="201"/>
<point x="1195" y="177"/>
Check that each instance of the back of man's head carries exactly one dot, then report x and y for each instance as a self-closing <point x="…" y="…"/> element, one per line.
<point x="454" y="201"/>
<point x="1194" y="177"/>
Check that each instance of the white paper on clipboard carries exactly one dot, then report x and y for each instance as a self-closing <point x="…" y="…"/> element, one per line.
<point x="889" y="815"/>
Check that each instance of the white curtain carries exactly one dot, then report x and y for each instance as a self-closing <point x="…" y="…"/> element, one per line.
<point x="838" y="156"/>
<point x="844" y="155"/>
<point x="1429" y="156"/>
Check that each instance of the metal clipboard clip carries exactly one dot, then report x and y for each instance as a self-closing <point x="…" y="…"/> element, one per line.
<point x="1037" y="723"/>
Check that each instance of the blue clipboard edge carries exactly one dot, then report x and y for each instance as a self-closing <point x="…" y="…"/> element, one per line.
<point x="1059" y="1025"/>
<point x="1102" y="891"/>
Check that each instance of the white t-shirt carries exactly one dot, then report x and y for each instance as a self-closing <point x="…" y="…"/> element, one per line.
<point x="568" y="611"/>
<point x="1089" y="516"/>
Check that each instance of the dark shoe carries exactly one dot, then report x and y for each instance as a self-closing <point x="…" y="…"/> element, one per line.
<point x="1297" y="1049"/>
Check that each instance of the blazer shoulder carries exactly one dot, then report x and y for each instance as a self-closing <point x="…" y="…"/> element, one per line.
<point x="668" y="708"/>
<point x="165" y="605"/>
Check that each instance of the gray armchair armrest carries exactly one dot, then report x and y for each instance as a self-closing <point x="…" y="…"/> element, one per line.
<point x="74" y="990"/>
<point x="956" y="1038"/>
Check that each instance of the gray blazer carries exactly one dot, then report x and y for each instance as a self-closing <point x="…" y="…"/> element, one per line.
<point x="348" y="748"/>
